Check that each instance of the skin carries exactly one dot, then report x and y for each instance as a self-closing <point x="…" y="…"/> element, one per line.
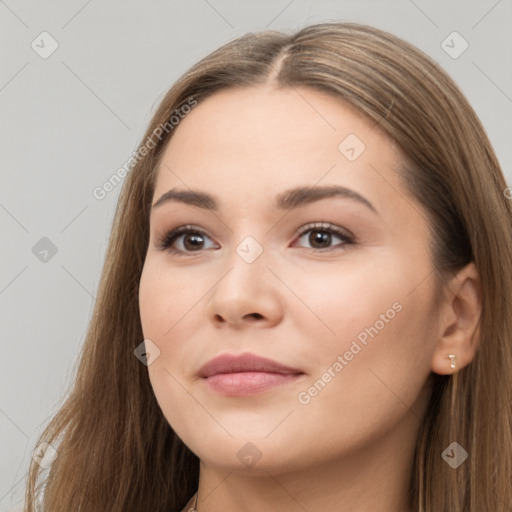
<point x="350" y="448"/>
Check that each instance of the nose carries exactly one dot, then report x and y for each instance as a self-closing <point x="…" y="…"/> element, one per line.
<point x="247" y="295"/>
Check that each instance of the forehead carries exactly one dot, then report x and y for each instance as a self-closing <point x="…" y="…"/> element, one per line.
<point x="254" y="142"/>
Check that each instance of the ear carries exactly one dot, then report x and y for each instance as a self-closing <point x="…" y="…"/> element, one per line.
<point x="459" y="319"/>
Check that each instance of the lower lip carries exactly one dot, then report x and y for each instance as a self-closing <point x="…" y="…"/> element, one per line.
<point x="248" y="383"/>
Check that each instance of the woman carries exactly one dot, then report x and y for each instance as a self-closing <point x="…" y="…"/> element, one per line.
<point x="304" y="304"/>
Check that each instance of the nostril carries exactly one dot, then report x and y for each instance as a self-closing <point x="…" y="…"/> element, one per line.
<point x="249" y="316"/>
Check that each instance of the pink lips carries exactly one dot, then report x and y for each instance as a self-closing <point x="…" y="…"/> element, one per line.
<point x="245" y="374"/>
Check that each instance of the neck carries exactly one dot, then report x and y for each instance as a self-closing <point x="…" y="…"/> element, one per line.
<point x="377" y="477"/>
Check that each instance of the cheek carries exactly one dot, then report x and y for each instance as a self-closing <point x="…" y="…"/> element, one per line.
<point x="361" y="301"/>
<point x="167" y="302"/>
<point x="152" y="304"/>
<point x="372" y="387"/>
<point x="380" y="359"/>
<point x="161" y="306"/>
<point x="167" y="296"/>
<point x="376" y="355"/>
<point x="345" y="302"/>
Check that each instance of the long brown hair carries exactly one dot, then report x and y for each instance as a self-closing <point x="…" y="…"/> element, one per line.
<point x="116" y="451"/>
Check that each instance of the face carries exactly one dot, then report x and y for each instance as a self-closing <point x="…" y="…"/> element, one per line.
<point x="334" y="283"/>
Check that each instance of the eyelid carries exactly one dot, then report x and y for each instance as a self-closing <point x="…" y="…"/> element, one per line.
<point x="327" y="226"/>
<point x="347" y="239"/>
<point x="164" y="241"/>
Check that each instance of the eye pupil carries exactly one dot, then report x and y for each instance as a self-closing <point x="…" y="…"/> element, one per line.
<point x="192" y="241"/>
<point x="319" y="237"/>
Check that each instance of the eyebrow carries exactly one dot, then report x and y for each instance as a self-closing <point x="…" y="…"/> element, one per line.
<point x="288" y="200"/>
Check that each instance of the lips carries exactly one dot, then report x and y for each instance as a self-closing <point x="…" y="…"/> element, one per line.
<point x="247" y="362"/>
<point x="246" y="374"/>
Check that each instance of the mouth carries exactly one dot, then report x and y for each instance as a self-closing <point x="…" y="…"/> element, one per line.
<point x="246" y="374"/>
<point x="248" y="383"/>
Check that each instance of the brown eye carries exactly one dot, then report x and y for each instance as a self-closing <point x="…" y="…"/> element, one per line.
<point x="193" y="241"/>
<point x="319" y="239"/>
<point x="322" y="236"/>
<point x="185" y="239"/>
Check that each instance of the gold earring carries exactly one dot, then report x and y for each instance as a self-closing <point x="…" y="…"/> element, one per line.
<point x="451" y="357"/>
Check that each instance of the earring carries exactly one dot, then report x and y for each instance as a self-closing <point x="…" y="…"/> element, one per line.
<point x="451" y="357"/>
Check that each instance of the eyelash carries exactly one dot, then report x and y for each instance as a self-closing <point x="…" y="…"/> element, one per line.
<point x="164" y="243"/>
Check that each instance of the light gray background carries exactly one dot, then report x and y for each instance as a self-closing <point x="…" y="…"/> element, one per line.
<point x="71" y="120"/>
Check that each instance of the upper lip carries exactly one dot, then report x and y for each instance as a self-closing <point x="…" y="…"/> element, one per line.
<point x="247" y="362"/>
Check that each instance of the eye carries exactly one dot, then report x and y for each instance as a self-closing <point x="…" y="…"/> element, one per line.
<point x="187" y="239"/>
<point x="320" y="236"/>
